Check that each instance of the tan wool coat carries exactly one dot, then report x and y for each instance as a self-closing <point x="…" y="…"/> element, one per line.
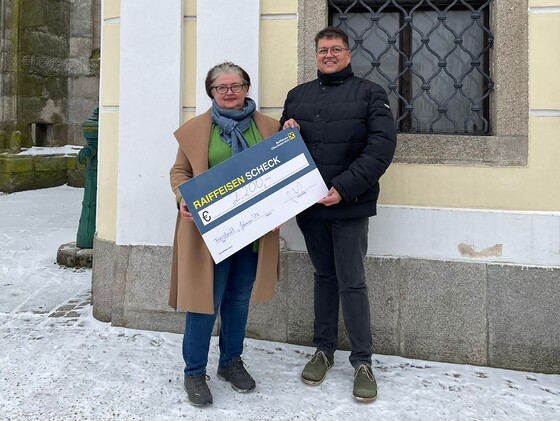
<point x="192" y="270"/>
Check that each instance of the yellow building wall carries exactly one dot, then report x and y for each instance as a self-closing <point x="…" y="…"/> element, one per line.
<point x="544" y="58"/>
<point x="278" y="56"/>
<point x="189" y="59"/>
<point x="109" y="123"/>
<point x="278" y="68"/>
<point x="189" y="7"/>
<point x="534" y="187"/>
<point x="543" y="3"/>
<point x="111" y="9"/>
<point x="271" y="7"/>
<point x="278" y="63"/>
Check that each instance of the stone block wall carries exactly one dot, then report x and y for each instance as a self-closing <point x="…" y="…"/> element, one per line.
<point x="8" y="79"/>
<point x="461" y="312"/>
<point x="30" y="172"/>
<point x="49" y="70"/>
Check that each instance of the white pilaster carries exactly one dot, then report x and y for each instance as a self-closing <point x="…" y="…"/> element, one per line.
<point x="150" y="106"/>
<point x="226" y="31"/>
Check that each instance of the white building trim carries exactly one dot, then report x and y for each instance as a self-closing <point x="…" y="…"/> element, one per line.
<point x="232" y="34"/>
<point x="524" y="238"/>
<point x="544" y="10"/>
<point x="150" y="110"/>
<point x="544" y="113"/>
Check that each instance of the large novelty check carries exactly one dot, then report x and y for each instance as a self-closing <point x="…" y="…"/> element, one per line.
<point x="248" y="195"/>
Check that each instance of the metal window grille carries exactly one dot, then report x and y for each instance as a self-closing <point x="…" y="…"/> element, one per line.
<point x="431" y="56"/>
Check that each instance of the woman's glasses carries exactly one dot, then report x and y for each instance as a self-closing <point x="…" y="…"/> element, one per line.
<point x="221" y="89"/>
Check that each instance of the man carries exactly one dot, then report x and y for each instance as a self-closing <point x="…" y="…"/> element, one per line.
<point x="348" y="126"/>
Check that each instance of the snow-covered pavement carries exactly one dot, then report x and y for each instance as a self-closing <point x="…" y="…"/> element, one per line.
<point x="59" y="363"/>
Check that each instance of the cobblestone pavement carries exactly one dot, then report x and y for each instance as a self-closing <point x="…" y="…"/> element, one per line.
<point x="73" y="308"/>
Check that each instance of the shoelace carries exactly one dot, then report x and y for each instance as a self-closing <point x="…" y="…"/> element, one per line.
<point x="200" y="380"/>
<point x="239" y="365"/>
<point x="322" y="354"/>
<point x="366" y="369"/>
<point x="238" y="362"/>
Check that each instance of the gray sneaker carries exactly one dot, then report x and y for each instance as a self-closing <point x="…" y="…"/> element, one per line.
<point x="316" y="369"/>
<point x="365" y="387"/>
<point x="237" y="375"/>
<point x="197" y="390"/>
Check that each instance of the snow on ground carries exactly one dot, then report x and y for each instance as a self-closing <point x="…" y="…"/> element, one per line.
<point x="51" y="150"/>
<point x="59" y="363"/>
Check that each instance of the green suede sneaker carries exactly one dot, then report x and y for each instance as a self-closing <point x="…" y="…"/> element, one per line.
<point x="316" y="369"/>
<point x="365" y="387"/>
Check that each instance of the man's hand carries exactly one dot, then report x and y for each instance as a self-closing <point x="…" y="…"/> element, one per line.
<point x="184" y="211"/>
<point x="291" y="123"/>
<point x="332" y="198"/>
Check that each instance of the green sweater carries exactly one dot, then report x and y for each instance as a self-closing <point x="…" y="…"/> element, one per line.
<point x="219" y="151"/>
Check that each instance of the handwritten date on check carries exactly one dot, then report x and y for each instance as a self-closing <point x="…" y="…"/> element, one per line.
<point x="241" y="199"/>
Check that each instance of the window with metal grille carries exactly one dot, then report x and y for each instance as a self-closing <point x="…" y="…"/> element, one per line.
<point x="431" y="56"/>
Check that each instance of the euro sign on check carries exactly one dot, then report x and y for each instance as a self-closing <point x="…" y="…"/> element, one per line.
<point x="241" y="199"/>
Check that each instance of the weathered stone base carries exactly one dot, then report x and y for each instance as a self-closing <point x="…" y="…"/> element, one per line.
<point x="31" y="172"/>
<point x="75" y="257"/>
<point x="461" y="312"/>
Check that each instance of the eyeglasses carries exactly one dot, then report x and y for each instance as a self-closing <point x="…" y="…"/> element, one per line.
<point x="335" y="51"/>
<point x="221" y="89"/>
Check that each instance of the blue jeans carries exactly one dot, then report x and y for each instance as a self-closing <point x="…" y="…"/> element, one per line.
<point x="233" y="283"/>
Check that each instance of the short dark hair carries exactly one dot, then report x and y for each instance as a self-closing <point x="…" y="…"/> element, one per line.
<point x="332" y="32"/>
<point x="223" y="68"/>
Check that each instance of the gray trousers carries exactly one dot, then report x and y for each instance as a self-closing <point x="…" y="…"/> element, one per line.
<point x="337" y="248"/>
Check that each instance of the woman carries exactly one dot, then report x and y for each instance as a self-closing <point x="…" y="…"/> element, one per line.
<point x="198" y="285"/>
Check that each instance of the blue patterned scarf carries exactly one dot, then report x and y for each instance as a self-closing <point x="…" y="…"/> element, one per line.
<point x="232" y="124"/>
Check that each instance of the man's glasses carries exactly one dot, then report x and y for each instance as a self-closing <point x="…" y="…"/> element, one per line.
<point x="220" y="89"/>
<point x="335" y="51"/>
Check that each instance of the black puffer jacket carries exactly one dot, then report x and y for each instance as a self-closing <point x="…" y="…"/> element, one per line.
<point x="349" y="130"/>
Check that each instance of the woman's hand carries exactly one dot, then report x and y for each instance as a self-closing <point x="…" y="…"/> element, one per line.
<point x="184" y="211"/>
<point x="291" y="123"/>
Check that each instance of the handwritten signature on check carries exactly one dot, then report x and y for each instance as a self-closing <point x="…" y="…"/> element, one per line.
<point x="296" y="192"/>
